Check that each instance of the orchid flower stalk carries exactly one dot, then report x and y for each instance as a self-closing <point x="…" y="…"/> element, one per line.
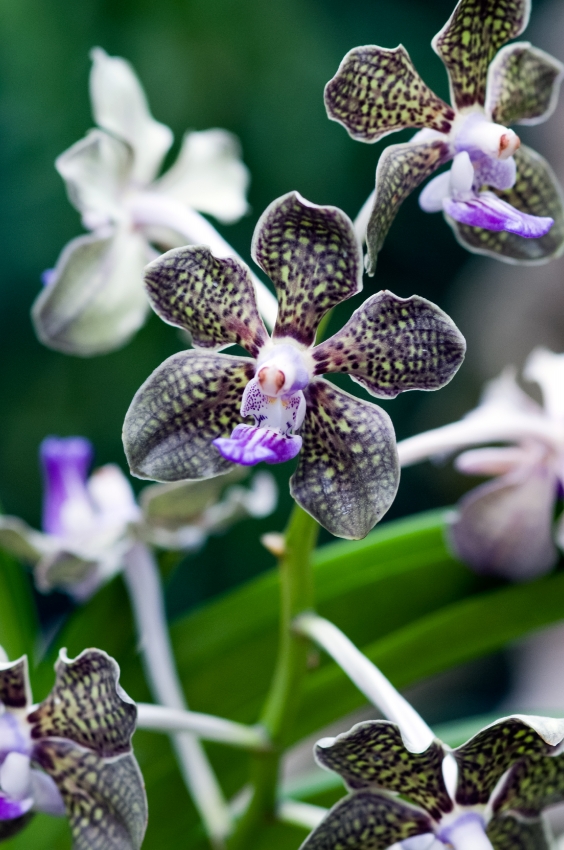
<point x="93" y="300"/>
<point x="506" y="526"/>
<point x="188" y="421"/>
<point x="408" y="788"/>
<point x="500" y="197"/>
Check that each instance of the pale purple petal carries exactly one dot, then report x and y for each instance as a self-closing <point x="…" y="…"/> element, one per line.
<point x="48" y="276"/>
<point x="248" y="445"/>
<point x="65" y="463"/>
<point x="488" y="211"/>
<point x="504" y="527"/>
<point x="10" y="809"/>
<point x="499" y="173"/>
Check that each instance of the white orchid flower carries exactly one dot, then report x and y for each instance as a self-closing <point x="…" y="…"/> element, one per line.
<point x="94" y="299"/>
<point x="90" y="524"/>
<point x="506" y="526"/>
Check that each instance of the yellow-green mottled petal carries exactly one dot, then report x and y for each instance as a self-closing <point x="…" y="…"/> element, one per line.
<point x="105" y="800"/>
<point x="188" y="401"/>
<point x="313" y="258"/>
<point x="401" y="169"/>
<point x="509" y="833"/>
<point x="367" y="821"/>
<point x="213" y="299"/>
<point x="377" y="91"/>
<point x="536" y="192"/>
<point x="14" y="683"/>
<point x="87" y="705"/>
<point x="348" y="471"/>
<point x="471" y="37"/>
<point x="393" y="344"/>
<point x="373" y="755"/>
<point x="486" y="756"/>
<point x="533" y="784"/>
<point x="523" y="85"/>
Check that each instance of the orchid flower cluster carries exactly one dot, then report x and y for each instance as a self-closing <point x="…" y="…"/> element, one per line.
<point x="203" y="416"/>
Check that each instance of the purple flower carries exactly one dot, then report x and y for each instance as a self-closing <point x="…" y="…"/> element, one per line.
<point x="72" y="753"/>
<point x="488" y="794"/>
<point x="500" y="197"/>
<point x="187" y="420"/>
<point x="90" y="523"/>
<point x="506" y="526"/>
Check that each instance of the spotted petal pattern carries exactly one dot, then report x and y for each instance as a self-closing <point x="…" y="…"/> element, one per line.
<point x="313" y="258"/>
<point x="486" y="756"/>
<point x="189" y="400"/>
<point x="373" y="755"/>
<point x="393" y="344"/>
<point x="87" y="706"/>
<point x="348" y="472"/>
<point x="213" y="299"/>
<point x="367" y="821"/>
<point x="401" y="169"/>
<point x="523" y="85"/>
<point x="536" y="192"/>
<point x="468" y="42"/>
<point x="105" y="800"/>
<point x="14" y="684"/>
<point x="533" y="784"/>
<point x="377" y="91"/>
<point x="508" y="833"/>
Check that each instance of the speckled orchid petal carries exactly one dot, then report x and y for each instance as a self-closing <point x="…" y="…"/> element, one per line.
<point x="14" y="683"/>
<point x="213" y="299"/>
<point x="63" y="570"/>
<point x="65" y="463"/>
<point x="486" y="210"/>
<point x="249" y="445"/>
<point x="532" y="785"/>
<point x="536" y="192"/>
<point x="209" y="175"/>
<point x="105" y="799"/>
<point x="401" y="168"/>
<point x="523" y="85"/>
<point x="393" y="344"/>
<point x="373" y="755"/>
<point x="484" y="758"/>
<point x="504" y="527"/>
<point x="96" y="171"/>
<point x="510" y="833"/>
<point x="377" y="91"/>
<point x="87" y="706"/>
<point x="188" y="401"/>
<point x="313" y="258"/>
<point x="469" y="40"/>
<point x="367" y="821"/>
<point x="95" y="300"/>
<point x="170" y="506"/>
<point x="348" y="471"/>
<point x="120" y="106"/>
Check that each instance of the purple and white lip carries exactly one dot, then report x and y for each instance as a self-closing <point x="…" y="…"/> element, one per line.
<point x="275" y="400"/>
<point x="65" y="463"/>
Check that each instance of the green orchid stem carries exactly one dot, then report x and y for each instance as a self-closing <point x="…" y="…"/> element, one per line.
<point x="282" y="703"/>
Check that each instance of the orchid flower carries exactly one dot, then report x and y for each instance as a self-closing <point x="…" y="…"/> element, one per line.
<point x="91" y="523"/>
<point x="410" y="790"/>
<point x="94" y="300"/>
<point x="506" y="526"/>
<point x="72" y="753"/>
<point x="187" y="420"/>
<point x="500" y="197"/>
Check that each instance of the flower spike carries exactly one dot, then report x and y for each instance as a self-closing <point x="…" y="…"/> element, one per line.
<point x="500" y="198"/>
<point x="188" y="420"/>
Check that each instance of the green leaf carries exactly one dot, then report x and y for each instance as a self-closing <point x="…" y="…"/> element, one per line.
<point x="18" y="617"/>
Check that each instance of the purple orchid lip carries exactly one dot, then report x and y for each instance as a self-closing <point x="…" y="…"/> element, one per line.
<point x="65" y="462"/>
<point x="11" y="809"/>
<point x="249" y="445"/>
<point x="488" y="211"/>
